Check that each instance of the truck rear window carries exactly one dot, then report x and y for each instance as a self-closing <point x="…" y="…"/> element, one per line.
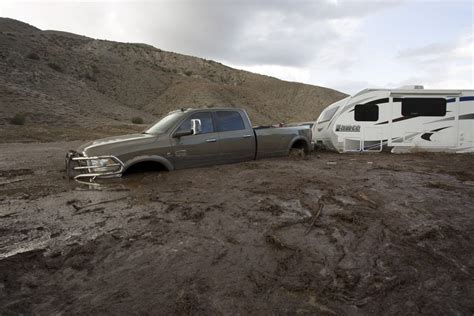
<point x="229" y="121"/>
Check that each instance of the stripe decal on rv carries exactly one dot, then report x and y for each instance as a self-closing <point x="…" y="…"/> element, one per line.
<point x="461" y="117"/>
<point x="398" y="119"/>
<point x="442" y="120"/>
<point x="427" y="136"/>
<point x="461" y="99"/>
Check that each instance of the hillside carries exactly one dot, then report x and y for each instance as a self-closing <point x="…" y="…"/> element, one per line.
<point x="74" y="87"/>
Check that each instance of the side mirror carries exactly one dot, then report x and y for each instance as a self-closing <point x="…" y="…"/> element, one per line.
<point x="179" y="134"/>
<point x="196" y="126"/>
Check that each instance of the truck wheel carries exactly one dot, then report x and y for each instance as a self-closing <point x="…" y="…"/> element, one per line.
<point x="297" y="153"/>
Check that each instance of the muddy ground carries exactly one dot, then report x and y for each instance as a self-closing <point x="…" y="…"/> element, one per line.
<point x="394" y="235"/>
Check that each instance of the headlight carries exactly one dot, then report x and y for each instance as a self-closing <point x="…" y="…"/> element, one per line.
<point x="102" y="165"/>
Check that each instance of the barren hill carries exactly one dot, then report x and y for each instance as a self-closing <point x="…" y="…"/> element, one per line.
<point x="72" y="87"/>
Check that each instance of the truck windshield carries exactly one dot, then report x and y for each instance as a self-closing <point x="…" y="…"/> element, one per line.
<point x="163" y="125"/>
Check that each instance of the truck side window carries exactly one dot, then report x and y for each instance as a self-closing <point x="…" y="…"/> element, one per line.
<point x="229" y="121"/>
<point x="423" y="106"/>
<point x="206" y="122"/>
<point x="366" y="112"/>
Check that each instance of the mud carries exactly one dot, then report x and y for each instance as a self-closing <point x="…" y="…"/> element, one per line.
<point x="394" y="235"/>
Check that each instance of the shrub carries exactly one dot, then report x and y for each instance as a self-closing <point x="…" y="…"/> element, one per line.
<point x="18" y="119"/>
<point x="33" y="56"/>
<point x="55" y="67"/>
<point x="137" y="120"/>
<point x="90" y="77"/>
<point x="188" y="73"/>
<point x="95" y="69"/>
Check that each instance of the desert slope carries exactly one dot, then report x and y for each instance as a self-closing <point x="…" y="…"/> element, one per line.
<point x="74" y="87"/>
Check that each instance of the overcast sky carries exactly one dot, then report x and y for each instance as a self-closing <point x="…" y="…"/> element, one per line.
<point x="346" y="45"/>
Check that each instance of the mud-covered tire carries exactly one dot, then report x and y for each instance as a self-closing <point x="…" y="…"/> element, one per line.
<point x="297" y="153"/>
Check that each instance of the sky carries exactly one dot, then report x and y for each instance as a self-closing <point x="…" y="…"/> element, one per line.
<point x="348" y="45"/>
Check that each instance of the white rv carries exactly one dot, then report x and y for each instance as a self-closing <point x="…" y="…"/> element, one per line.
<point x="405" y="119"/>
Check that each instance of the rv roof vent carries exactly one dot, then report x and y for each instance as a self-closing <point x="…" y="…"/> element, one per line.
<point x="414" y="87"/>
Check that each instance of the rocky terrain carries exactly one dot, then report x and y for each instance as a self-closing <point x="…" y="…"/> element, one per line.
<point x="74" y="87"/>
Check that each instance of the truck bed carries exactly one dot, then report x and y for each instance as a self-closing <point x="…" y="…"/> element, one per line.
<point x="277" y="141"/>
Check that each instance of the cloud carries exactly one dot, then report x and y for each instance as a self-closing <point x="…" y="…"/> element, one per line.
<point x="443" y="65"/>
<point x="462" y="49"/>
<point x="344" y="44"/>
<point x="244" y="32"/>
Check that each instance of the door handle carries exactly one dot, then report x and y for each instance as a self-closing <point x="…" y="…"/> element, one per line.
<point x="247" y="136"/>
<point x="212" y="140"/>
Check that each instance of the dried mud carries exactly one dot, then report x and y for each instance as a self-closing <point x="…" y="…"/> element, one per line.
<point x="394" y="235"/>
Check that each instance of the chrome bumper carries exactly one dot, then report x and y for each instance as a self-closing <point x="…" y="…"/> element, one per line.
<point x="79" y="166"/>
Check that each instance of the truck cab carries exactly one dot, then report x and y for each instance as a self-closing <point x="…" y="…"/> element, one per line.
<point x="187" y="138"/>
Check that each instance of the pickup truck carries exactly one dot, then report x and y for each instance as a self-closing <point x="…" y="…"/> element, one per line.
<point x="187" y="138"/>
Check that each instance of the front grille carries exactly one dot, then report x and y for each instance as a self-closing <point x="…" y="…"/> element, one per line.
<point x="80" y="166"/>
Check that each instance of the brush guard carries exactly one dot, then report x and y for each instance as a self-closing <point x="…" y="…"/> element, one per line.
<point x="80" y="167"/>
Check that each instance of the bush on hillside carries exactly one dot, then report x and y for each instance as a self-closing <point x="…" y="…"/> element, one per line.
<point x="137" y="120"/>
<point x="95" y="69"/>
<point x="18" y="119"/>
<point x="33" y="56"/>
<point x="55" y="67"/>
<point x="90" y="77"/>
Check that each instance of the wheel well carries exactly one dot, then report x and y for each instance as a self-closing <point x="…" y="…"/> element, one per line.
<point x="301" y="144"/>
<point x="145" y="166"/>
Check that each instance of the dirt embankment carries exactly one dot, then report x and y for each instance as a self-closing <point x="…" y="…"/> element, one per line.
<point x="394" y="236"/>
<point x="69" y="87"/>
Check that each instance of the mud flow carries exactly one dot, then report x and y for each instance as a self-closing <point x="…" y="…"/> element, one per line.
<point x="328" y="234"/>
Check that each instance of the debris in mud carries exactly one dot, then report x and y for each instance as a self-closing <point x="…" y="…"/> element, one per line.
<point x="10" y="181"/>
<point x="361" y="196"/>
<point x="315" y="217"/>
<point x="15" y="173"/>
<point x="276" y="242"/>
<point x="80" y="207"/>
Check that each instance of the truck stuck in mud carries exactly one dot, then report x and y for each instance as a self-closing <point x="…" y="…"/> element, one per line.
<point x="187" y="138"/>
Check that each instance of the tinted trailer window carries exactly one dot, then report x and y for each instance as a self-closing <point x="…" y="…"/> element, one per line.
<point x="423" y="106"/>
<point x="366" y="113"/>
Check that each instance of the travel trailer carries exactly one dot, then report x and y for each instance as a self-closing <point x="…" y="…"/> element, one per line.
<point x="400" y="120"/>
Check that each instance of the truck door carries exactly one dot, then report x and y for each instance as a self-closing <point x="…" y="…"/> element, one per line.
<point x="196" y="150"/>
<point x="236" y="137"/>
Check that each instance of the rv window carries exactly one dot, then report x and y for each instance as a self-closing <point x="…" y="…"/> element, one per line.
<point x="366" y="112"/>
<point x="328" y="114"/>
<point x="423" y="106"/>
